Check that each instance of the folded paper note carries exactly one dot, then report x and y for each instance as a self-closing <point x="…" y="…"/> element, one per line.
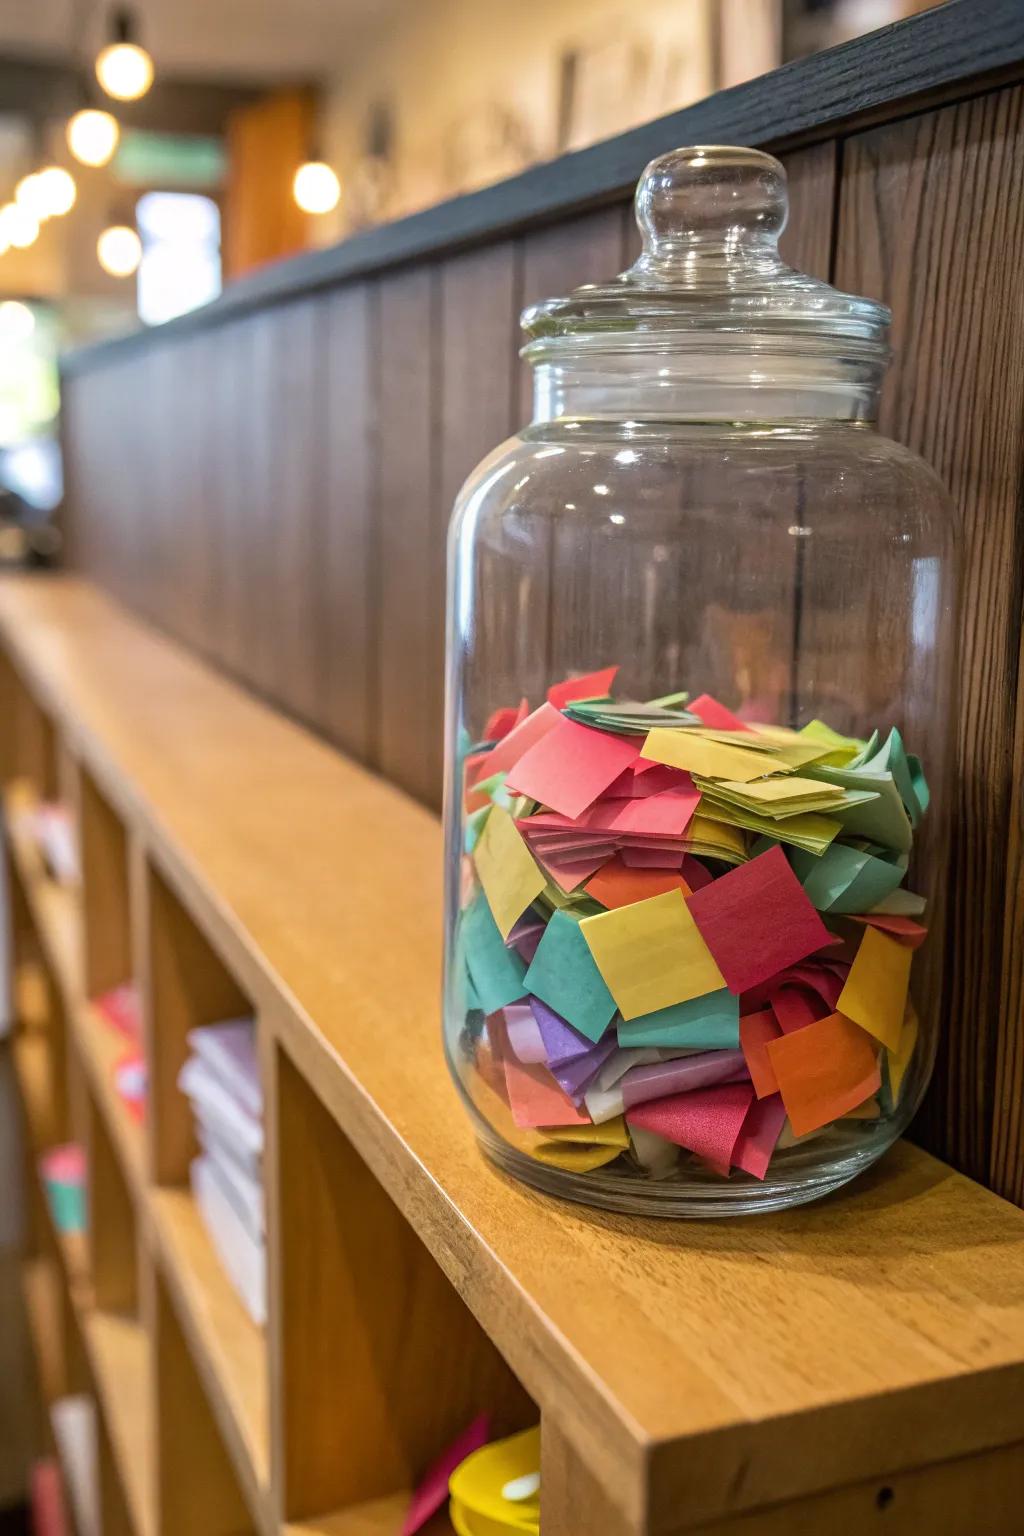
<point x="707" y="1023"/>
<point x="824" y="1071"/>
<point x="706" y="1121"/>
<point x="507" y="869"/>
<point x="651" y="954"/>
<point x="563" y="975"/>
<point x="875" y="994"/>
<point x="595" y="685"/>
<point x="570" y="766"/>
<point x="496" y="972"/>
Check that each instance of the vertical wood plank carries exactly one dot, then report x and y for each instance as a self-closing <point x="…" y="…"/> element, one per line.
<point x="807" y="239"/>
<point x="572" y="1500"/>
<point x="106" y="927"/>
<point x="113" y="1256"/>
<point x="346" y="575"/>
<point x="933" y="222"/>
<point x="409" y="616"/>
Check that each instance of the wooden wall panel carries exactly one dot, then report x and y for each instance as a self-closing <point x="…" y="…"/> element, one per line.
<point x="933" y="222"/>
<point x="410" y="558"/>
<point x="347" y="564"/>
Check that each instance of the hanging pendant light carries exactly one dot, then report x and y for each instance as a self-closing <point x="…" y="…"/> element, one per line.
<point x="316" y="187"/>
<point x="93" y="136"/>
<point x="119" y="250"/>
<point x="123" y="68"/>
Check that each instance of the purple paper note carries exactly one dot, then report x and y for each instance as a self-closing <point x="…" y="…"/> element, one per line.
<point x="575" y="1077"/>
<point x="641" y="1084"/>
<point x="432" y="1492"/>
<point x="562" y="1043"/>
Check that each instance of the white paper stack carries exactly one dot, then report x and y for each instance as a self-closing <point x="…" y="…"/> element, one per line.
<point x="221" y="1080"/>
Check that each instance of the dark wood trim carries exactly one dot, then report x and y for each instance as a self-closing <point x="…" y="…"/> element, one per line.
<point x="955" y="50"/>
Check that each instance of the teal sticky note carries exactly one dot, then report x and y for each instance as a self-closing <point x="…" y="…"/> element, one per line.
<point x="496" y="972"/>
<point x="708" y="1023"/>
<point x="884" y="820"/>
<point x="845" y="879"/>
<point x="564" y="976"/>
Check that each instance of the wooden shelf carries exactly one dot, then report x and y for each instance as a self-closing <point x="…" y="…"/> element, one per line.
<point x="118" y="1353"/>
<point x="377" y="1517"/>
<point x="41" y="1290"/>
<point x="229" y="1350"/>
<point x="56" y="908"/>
<point x="685" y="1374"/>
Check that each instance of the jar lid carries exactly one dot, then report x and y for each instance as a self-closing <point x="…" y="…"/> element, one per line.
<point x="710" y="217"/>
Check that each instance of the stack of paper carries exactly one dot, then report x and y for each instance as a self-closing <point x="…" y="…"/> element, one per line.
<point x="221" y="1080"/>
<point x="643" y="960"/>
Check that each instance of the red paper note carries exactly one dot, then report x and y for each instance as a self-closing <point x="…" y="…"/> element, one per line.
<point x="756" y="1029"/>
<point x="761" y="1131"/>
<point x="518" y="741"/>
<point x="617" y="885"/>
<point x="824" y="1071"/>
<point x="651" y="858"/>
<point x="646" y="778"/>
<point x="796" y="1007"/>
<point x="902" y="928"/>
<point x="696" y="874"/>
<point x="706" y="1121"/>
<point x="504" y="720"/>
<point x="432" y="1492"/>
<point x="594" y="686"/>
<point x="666" y="814"/>
<point x="570" y="766"/>
<point x="714" y="715"/>
<point x="756" y="920"/>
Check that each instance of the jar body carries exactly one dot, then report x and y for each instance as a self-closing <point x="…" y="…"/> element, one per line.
<point x="795" y="572"/>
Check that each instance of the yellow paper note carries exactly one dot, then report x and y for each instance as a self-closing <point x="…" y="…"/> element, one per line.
<point x="651" y="954"/>
<point x="715" y="840"/>
<point x="875" y="994"/>
<point x="711" y="759"/>
<point x="786" y="787"/>
<point x="508" y="873"/>
<point x="794" y="748"/>
<point x="900" y="1058"/>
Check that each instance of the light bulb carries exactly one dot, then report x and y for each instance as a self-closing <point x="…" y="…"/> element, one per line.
<point x="92" y="136"/>
<point x="18" y="226"/>
<point x="124" y="70"/>
<point x="17" y="322"/>
<point x="316" y="187"/>
<point x="29" y="195"/>
<point x="119" y="250"/>
<point x="56" y="191"/>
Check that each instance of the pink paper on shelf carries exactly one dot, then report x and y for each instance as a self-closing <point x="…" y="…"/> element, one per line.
<point x="707" y="1121"/>
<point x="714" y="715"/>
<point x="595" y="685"/>
<point x="756" y="1029"/>
<point x="523" y="1034"/>
<point x="519" y="740"/>
<point x="902" y="928"/>
<point x="570" y="766"/>
<point x="796" y="1007"/>
<point x="759" y="1136"/>
<point x="659" y="1079"/>
<point x="432" y="1493"/>
<point x="756" y="920"/>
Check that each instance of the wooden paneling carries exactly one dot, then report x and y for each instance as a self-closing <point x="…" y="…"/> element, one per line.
<point x="933" y="222"/>
<point x="410" y="523"/>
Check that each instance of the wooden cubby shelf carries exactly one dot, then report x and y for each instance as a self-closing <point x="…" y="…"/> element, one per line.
<point x="794" y="1373"/>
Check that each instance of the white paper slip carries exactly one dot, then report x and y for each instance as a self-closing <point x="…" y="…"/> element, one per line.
<point x="213" y="1105"/>
<point x="248" y="1164"/>
<point x="244" y="1192"/>
<point x="244" y="1259"/>
<point x="229" y="1050"/>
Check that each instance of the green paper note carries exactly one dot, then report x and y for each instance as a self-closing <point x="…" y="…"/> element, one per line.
<point x="496" y="972"/>
<point x="564" y="976"/>
<point x="884" y="820"/>
<point x="845" y="879"/>
<point x="708" y="1023"/>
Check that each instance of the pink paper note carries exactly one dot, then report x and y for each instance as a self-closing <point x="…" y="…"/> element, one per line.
<point x="714" y="715"/>
<point x="570" y="765"/>
<point x="533" y="1094"/>
<point x="902" y="928"/>
<point x="527" y="734"/>
<point x="759" y="1136"/>
<point x="696" y="874"/>
<point x="652" y="858"/>
<point x="646" y="777"/>
<point x="432" y="1492"/>
<point x="595" y="685"/>
<point x="505" y="720"/>
<point x="666" y="814"/>
<point x="796" y="1007"/>
<point x="706" y="1121"/>
<point x="568" y="872"/>
<point x="756" y="920"/>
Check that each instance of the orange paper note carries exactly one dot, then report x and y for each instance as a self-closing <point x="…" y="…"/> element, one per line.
<point x="824" y="1071"/>
<point x="756" y="1030"/>
<point x="617" y="885"/>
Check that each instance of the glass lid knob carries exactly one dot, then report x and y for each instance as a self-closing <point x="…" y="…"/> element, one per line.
<point x="709" y="201"/>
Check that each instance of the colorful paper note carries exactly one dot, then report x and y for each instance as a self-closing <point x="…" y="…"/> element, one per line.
<point x="711" y="759"/>
<point x="519" y="740"/>
<point x="595" y="685"/>
<point x="900" y="1058"/>
<point x="570" y="766"/>
<point x="759" y="1136"/>
<point x="497" y="973"/>
<point x="824" y="1070"/>
<point x="846" y="879"/>
<point x="640" y="1084"/>
<point x="875" y="994"/>
<point x="714" y="714"/>
<point x="903" y="929"/>
<point x="756" y="920"/>
<point x="563" y="975"/>
<point x="756" y="1029"/>
<point x="523" y="1032"/>
<point x="707" y="1121"/>
<point x="707" y="1023"/>
<point x="534" y="1096"/>
<point x="651" y="954"/>
<point x="617" y="885"/>
<point x="507" y="869"/>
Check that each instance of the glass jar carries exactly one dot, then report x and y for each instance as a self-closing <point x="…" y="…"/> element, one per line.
<point x="701" y="624"/>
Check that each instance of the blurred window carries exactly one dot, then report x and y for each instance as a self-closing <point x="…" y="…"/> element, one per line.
<point x="180" y="267"/>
